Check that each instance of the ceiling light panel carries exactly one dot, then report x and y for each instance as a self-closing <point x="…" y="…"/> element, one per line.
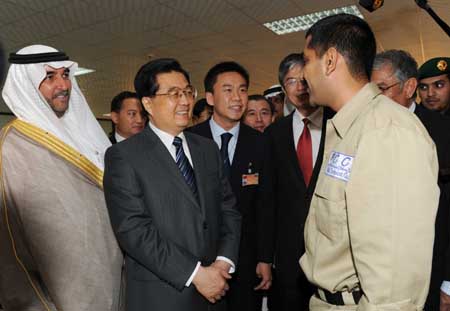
<point x="304" y="22"/>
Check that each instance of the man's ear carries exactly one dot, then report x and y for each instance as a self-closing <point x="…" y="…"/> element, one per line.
<point x="409" y="87"/>
<point x="331" y="59"/>
<point x="210" y="98"/>
<point x="147" y="102"/>
<point x="114" y="117"/>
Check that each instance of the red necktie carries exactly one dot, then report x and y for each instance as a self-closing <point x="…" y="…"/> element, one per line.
<point x="304" y="152"/>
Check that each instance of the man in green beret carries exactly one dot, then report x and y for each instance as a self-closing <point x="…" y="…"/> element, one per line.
<point x="434" y="84"/>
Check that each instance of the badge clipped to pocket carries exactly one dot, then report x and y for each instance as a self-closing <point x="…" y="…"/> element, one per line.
<point x="250" y="179"/>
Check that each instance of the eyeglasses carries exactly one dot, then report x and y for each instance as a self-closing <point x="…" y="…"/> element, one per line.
<point x="175" y="93"/>
<point x="383" y="89"/>
<point x="291" y="82"/>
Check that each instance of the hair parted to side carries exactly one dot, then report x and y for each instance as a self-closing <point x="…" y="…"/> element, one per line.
<point x="216" y="70"/>
<point x="287" y="64"/>
<point x="145" y="82"/>
<point x="351" y="36"/>
<point x="404" y="66"/>
<point x="116" y="103"/>
<point x="261" y="97"/>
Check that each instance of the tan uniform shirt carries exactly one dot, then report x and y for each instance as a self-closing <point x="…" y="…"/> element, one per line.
<point x="371" y="220"/>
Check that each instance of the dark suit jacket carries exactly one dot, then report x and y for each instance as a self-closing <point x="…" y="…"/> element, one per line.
<point x="112" y="138"/>
<point x="438" y="126"/>
<point x="162" y="228"/>
<point x="257" y="230"/>
<point x="291" y="198"/>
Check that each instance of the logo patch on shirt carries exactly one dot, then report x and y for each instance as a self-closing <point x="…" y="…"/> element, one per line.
<point x="339" y="166"/>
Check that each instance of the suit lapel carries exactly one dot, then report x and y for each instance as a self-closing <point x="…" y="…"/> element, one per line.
<point x="158" y="153"/>
<point x="205" y="129"/>
<point x="239" y="153"/>
<point x="288" y="141"/>
<point x="198" y="160"/>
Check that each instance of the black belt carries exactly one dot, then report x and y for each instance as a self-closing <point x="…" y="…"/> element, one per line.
<point x="339" y="298"/>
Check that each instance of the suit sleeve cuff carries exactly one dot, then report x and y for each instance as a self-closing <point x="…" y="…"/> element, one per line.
<point x="189" y="281"/>
<point x="445" y="287"/>
<point x="232" y="268"/>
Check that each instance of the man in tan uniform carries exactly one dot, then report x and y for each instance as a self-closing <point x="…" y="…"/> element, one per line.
<point x="370" y="229"/>
<point x="57" y="248"/>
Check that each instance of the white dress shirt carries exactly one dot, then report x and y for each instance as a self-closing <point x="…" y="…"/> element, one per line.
<point x="167" y="140"/>
<point x="315" y="128"/>
<point x="118" y="137"/>
<point x="217" y="130"/>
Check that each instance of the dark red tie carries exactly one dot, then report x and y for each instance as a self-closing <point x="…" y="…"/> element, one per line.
<point x="304" y="152"/>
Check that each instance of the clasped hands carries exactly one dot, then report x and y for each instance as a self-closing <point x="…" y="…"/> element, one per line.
<point x="211" y="281"/>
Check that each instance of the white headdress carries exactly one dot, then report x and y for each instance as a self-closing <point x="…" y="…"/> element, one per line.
<point x="77" y="127"/>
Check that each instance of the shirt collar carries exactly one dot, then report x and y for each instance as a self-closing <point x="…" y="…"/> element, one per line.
<point x="118" y="137"/>
<point x="217" y="130"/>
<point x="315" y="118"/>
<point x="412" y="108"/>
<point x="165" y="137"/>
<point x="352" y="109"/>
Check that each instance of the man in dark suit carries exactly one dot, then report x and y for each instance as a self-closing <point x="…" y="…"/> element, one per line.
<point x="244" y="152"/>
<point x="395" y="73"/>
<point x="128" y="117"/>
<point x="296" y="146"/>
<point x="171" y="206"/>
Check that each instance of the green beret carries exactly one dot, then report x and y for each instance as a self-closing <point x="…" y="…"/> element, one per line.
<point x="434" y="67"/>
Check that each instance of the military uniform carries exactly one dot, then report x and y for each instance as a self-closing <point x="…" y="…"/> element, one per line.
<point x="434" y="67"/>
<point x="370" y="229"/>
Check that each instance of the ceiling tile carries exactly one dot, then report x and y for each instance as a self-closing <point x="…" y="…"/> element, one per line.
<point x="12" y="12"/>
<point x="272" y="11"/>
<point x="37" y="6"/>
<point x="119" y="7"/>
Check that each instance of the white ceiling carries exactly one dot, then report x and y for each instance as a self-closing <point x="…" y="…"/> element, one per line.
<point x="115" y="37"/>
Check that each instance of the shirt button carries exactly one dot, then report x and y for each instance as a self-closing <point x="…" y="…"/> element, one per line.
<point x="205" y="226"/>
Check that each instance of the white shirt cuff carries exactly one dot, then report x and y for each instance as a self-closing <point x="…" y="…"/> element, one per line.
<point x="189" y="281"/>
<point x="445" y="287"/>
<point x="232" y="268"/>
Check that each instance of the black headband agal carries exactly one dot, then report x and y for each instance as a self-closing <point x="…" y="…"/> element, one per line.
<point x="276" y="89"/>
<point x="15" y="58"/>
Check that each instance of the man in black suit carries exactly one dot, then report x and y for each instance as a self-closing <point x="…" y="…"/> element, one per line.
<point x="171" y="206"/>
<point x="296" y="145"/>
<point x="395" y="73"/>
<point x="128" y="117"/>
<point x="244" y="152"/>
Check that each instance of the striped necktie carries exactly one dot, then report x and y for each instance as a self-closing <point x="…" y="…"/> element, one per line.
<point x="184" y="165"/>
<point x="225" y="137"/>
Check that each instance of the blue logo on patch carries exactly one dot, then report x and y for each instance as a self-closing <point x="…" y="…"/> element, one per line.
<point x="339" y="166"/>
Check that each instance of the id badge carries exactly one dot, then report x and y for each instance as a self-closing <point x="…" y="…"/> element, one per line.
<point x="250" y="179"/>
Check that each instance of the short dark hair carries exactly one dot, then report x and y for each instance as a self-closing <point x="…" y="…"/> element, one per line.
<point x="211" y="76"/>
<point x="145" y="81"/>
<point x="351" y="36"/>
<point x="287" y="63"/>
<point x="116" y="103"/>
<point x="261" y="97"/>
<point x="404" y="66"/>
<point x="200" y="106"/>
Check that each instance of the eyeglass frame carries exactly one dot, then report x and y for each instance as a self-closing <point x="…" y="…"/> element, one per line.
<point x="387" y="88"/>
<point x="298" y="81"/>
<point x="178" y="97"/>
